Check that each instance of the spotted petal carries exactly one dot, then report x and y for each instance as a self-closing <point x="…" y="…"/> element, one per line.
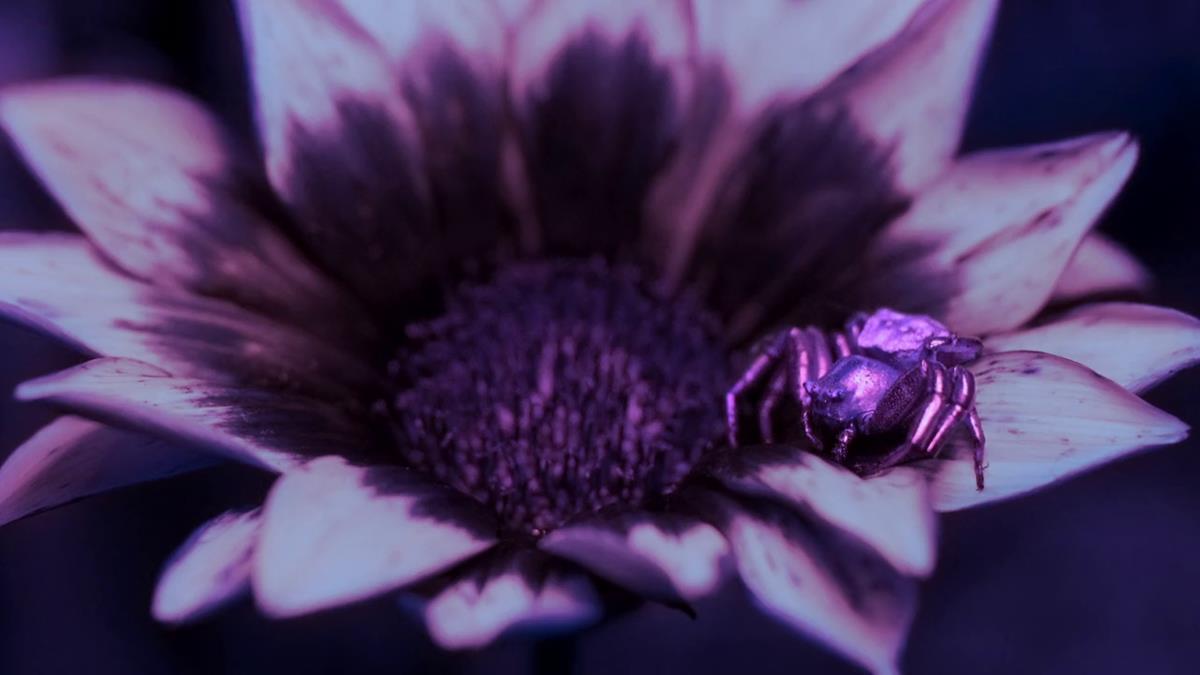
<point x="1100" y="267"/>
<point x="151" y="177"/>
<point x="996" y="231"/>
<point x="1046" y="418"/>
<point x="911" y="95"/>
<point x="72" y="458"/>
<point x="211" y="569"/>
<point x="56" y="283"/>
<point x="517" y="590"/>
<point x="334" y="533"/>
<point x="668" y="557"/>
<point x="819" y="582"/>
<point x="270" y="429"/>
<point x="889" y="513"/>
<point x="1136" y="346"/>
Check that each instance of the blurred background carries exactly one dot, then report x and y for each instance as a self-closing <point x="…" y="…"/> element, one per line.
<point x="1095" y="576"/>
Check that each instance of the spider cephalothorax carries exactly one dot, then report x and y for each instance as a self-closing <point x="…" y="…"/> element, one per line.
<point x="884" y="372"/>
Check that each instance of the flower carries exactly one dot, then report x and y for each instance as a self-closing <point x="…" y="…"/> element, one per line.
<point x="480" y="312"/>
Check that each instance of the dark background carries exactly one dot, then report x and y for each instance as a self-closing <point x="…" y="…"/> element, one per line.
<point x="1098" y="575"/>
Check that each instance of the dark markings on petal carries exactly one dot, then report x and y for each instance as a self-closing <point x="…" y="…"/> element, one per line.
<point x="362" y="207"/>
<point x="895" y="275"/>
<point x="599" y="131"/>
<point x="793" y="218"/>
<point x="431" y="501"/>
<point x="460" y="117"/>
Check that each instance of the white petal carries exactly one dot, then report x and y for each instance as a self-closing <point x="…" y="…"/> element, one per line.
<point x="211" y="569"/>
<point x="774" y="49"/>
<point x="1136" y="346"/>
<point x="1046" y="418"/>
<point x="838" y="592"/>
<point x="890" y="512"/>
<point x="912" y="94"/>
<point x="56" y="283"/>
<point x="1100" y="266"/>
<point x="273" y="430"/>
<point x="334" y="533"/>
<point x="1000" y="226"/>
<point x="151" y="177"/>
<point x="517" y="591"/>
<point x="72" y="458"/>
<point x="667" y="557"/>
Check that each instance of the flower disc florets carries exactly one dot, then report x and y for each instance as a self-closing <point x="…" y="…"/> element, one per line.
<point x="559" y="389"/>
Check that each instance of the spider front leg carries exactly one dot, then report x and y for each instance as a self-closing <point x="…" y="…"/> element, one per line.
<point x="951" y="400"/>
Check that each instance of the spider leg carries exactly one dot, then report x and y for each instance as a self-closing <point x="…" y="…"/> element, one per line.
<point x="931" y="409"/>
<point x="976" y="427"/>
<point x="962" y="397"/>
<point x="961" y="406"/>
<point x="776" y="388"/>
<point x="753" y="374"/>
<point x="808" y="364"/>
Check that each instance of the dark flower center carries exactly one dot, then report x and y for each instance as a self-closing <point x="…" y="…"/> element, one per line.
<point x="559" y="389"/>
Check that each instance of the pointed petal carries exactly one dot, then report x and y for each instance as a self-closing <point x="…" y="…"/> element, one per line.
<point x="211" y="569"/>
<point x="1136" y="346"/>
<point x="819" y="583"/>
<point x="152" y="179"/>
<point x="517" y="590"/>
<point x="667" y="557"/>
<point x="749" y="122"/>
<point x="999" y="228"/>
<point x="336" y="132"/>
<point x="777" y="49"/>
<point x="1046" y="418"/>
<point x="56" y="283"/>
<point x="890" y="512"/>
<point x="1098" y="267"/>
<point x="597" y="88"/>
<point x="334" y="533"/>
<point x="911" y="95"/>
<point x="273" y="430"/>
<point x="73" y="458"/>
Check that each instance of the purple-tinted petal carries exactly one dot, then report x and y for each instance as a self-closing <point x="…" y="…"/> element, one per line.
<point x="517" y="590"/>
<point x="1136" y="346"/>
<point x="211" y="569"/>
<point x="334" y="533"/>
<point x="274" y="430"/>
<point x="342" y="147"/>
<point x="448" y="58"/>
<point x="72" y="458"/>
<point x="56" y="283"/>
<point x="778" y="49"/>
<point x="1100" y="267"/>
<point x="151" y="177"/>
<point x="1000" y="226"/>
<point x="818" y="582"/>
<point x="890" y="512"/>
<point x="752" y="58"/>
<point x="1046" y="418"/>
<point x="598" y="89"/>
<point x="667" y="557"/>
<point x="911" y="95"/>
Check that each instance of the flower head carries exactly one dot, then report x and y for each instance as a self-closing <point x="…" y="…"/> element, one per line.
<point x="494" y="302"/>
